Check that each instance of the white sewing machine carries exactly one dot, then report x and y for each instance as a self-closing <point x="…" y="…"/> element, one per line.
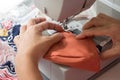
<point x="63" y="10"/>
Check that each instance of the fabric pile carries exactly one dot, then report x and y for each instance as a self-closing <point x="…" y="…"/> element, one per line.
<point x="7" y="55"/>
<point x="8" y="30"/>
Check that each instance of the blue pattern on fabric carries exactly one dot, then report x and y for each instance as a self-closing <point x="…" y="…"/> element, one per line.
<point x="11" y="34"/>
<point x="9" y="65"/>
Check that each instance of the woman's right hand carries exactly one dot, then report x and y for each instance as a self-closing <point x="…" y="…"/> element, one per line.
<point x="103" y="25"/>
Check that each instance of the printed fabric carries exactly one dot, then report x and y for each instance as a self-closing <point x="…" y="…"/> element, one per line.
<point x="7" y="55"/>
<point x="8" y="30"/>
<point x="14" y="31"/>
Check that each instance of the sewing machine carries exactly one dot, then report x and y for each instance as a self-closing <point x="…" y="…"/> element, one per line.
<point x="63" y="11"/>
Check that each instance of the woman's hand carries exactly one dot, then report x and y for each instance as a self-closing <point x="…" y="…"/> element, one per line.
<point x="103" y="25"/>
<point x="32" y="42"/>
<point x="32" y="45"/>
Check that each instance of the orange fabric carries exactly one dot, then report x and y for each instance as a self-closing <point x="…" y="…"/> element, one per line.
<point x="76" y="53"/>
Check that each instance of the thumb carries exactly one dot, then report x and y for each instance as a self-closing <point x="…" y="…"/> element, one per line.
<point x="56" y="38"/>
<point x="85" y="34"/>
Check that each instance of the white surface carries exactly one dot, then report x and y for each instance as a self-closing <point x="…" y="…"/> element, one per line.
<point x="60" y="72"/>
<point x="117" y="2"/>
<point x="113" y="5"/>
<point x="6" y="5"/>
<point x="109" y="7"/>
<point x="57" y="72"/>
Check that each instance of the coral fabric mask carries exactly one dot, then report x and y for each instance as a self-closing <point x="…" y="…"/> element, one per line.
<point x="81" y="54"/>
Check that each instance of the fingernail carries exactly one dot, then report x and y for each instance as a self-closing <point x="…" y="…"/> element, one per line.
<point x="80" y="36"/>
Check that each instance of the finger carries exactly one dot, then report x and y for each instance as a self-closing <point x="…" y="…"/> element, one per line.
<point x="35" y="21"/>
<point x="104" y="16"/>
<point x="55" y="38"/>
<point x="111" y="53"/>
<point x="48" y="25"/>
<point x="90" y="23"/>
<point x="101" y="15"/>
<point x="99" y="31"/>
<point x="23" y="29"/>
<point x="98" y="21"/>
<point x="107" y="18"/>
<point x="16" y="39"/>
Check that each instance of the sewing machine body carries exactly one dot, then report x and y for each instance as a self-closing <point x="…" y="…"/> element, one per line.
<point x="61" y="9"/>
